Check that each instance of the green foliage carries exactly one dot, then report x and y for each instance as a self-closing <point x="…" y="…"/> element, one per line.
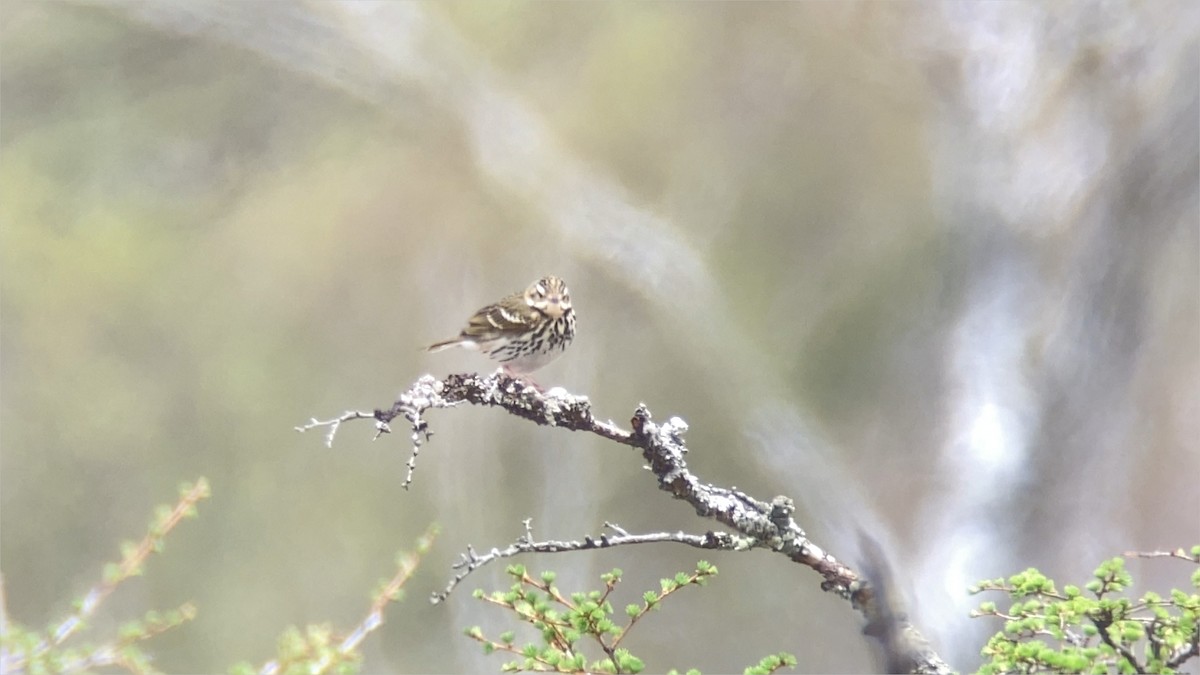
<point x="52" y="650"/>
<point x="1097" y="631"/>
<point x="313" y="650"/>
<point x="564" y="621"/>
<point x="772" y="663"/>
<point x="318" y="648"/>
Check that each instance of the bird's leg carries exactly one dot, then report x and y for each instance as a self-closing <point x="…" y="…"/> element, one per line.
<point x="524" y="379"/>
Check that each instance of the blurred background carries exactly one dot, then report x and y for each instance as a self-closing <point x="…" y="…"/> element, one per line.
<point x="932" y="270"/>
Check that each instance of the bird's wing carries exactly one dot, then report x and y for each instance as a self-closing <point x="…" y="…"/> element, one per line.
<point x="502" y="319"/>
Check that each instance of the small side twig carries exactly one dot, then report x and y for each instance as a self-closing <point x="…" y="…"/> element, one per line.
<point x="426" y="393"/>
<point x="134" y="558"/>
<point x="470" y="561"/>
<point x="1177" y="553"/>
<point x="333" y="424"/>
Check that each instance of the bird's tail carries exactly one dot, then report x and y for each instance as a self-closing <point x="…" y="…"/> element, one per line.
<point x="446" y="344"/>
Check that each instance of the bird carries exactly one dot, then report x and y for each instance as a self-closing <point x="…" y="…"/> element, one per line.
<point x="523" y="331"/>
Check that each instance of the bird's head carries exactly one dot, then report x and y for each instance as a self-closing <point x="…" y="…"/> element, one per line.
<point x="549" y="295"/>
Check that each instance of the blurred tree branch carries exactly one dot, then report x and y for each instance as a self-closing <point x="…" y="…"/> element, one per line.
<point x="762" y="524"/>
<point x="24" y="650"/>
<point x="316" y="648"/>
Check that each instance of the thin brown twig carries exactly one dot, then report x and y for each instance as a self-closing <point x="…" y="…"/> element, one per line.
<point x="1177" y="553"/>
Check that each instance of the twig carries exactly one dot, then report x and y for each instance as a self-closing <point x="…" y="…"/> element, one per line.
<point x="333" y="424"/>
<point x="1177" y="553"/>
<point x="406" y="564"/>
<point x="423" y="395"/>
<point x="470" y="561"/>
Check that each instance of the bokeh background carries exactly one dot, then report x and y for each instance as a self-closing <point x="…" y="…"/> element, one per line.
<point x="930" y="269"/>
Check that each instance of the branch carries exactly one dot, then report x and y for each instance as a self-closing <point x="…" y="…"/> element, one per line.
<point x="1188" y="651"/>
<point x="333" y="424"/>
<point x="1177" y="553"/>
<point x="347" y="650"/>
<point x="1105" y="621"/>
<point x="762" y="524"/>
<point x="471" y="561"/>
<point x="133" y="559"/>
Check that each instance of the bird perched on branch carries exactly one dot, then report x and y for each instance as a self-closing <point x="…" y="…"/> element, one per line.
<point x="524" y="331"/>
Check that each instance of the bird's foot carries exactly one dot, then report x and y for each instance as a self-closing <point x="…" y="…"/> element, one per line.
<point x="523" y="379"/>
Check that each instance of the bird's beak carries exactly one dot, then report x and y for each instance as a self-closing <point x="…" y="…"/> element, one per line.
<point x="554" y="308"/>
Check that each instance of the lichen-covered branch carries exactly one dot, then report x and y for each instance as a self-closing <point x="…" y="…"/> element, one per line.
<point x="764" y="524"/>
<point x="471" y="561"/>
